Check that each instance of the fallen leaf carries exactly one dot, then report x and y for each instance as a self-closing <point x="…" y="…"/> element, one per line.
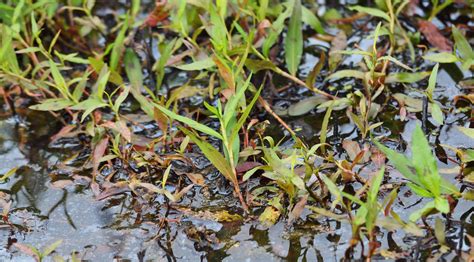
<point x="298" y="209"/>
<point x="196" y="178"/>
<point x="62" y="183"/>
<point x="338" y="43"/>
<point x="63" y="132"/>
<point x="98" y="153"/>
<point x="434" y="37"/>
<point x="27" y="250"/>
<point x="377" y="157"/>
<point x="269" y="216"/>
<point x="352" y="148"/>
<point x="114" y="189"/>
<point x="121" y="127"/>
<point x="246" y="166"/>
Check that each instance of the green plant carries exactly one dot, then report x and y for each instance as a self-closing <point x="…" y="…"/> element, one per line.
<point x="280" y="170"/>
<point x="36" y="253"/>
<point x="367" y="215"/>
<point x="462" y="52"/>
<point x="422" y="174"/>
<point x="230" y="124"/>
<point x="389" y="11"/>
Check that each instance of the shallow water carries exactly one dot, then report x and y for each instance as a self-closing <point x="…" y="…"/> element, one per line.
<point x="119" y="227"/>
<point x="52" y="201"/>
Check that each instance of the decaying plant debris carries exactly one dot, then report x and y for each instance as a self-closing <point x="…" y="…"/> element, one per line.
<point x="343" y="130"/>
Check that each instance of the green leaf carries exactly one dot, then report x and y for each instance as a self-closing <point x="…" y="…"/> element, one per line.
<point x="118" y="45"/>
<point x="441" y="57"/>
<point x="396" y="61"/>
<point x="462" y="45"/>
<point x="437" y="113"/>
<point x="432" y="81"/>
<point x="188" y="121"/>
<point x="375" y="186"/>
<point x="8" y="174"/>
<point x="400" y="162"/>
<point x="442" y="205"/>
<point x="244" y="115"/>
<point x="332" y="188"/>
<point x="255" y="65"/>
<point x="440" y="231"/>
<point x="214" y="156"/>
<point x="198" y="65"/>
<point x="311" y="79"/>
<point x="424" y="161"/>
<point x="294" y="40"/>
<point x="467" y="131"/>
<point x="89" y="105"/>
<point x="304" y="106"/>
<point x="52" y="104"/>
<point x="133" y="69"/>
<point x="102" y="80"/>
<point x="48" y="250"/>
<point x="346" y="73"/>
<point x="422" y="212"/>
<point x="406" y="77"/>
<point x="275" y="31"/>
<point x="59" y="81"/>
<point x="269" y="216"/>
<point x="251" y="172"/>
<point x="311" y="19"/>
<point x="370" y="11"/>
<point x="231" y="106"/>
<point x="324" y="126"/>
<point x="420" y="190"/>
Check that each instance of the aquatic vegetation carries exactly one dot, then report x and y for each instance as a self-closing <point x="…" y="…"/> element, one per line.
<point x="166" y="108"/>
<point x="422" y="172"/>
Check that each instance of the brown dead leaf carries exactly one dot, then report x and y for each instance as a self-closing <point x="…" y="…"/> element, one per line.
<point x="298" y="209"/>
<point x="338" y="43"/>
<point x="60" y="184"/>
<point x="246" y="166"/>
<point x="377" y="157"/>
<point x="196" y="178"/>
<point x="352" y="148"/>
<point x="99" y="151"/>
<point x="121" y="128"/>
<point x="181" y="193"/>
<point x="225" y="73"/>
<point x="114" y="189"/>
<point x="434" y="37"/>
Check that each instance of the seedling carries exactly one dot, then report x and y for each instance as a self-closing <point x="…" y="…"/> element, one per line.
<point x="422" y="174"/>
<point x="229" y="133"/>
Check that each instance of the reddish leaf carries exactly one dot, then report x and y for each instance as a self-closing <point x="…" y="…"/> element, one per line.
<point x="246" y="166"/>
<point x="62" y="183"/>
<point x="161" y="119"/>
<point x="27" y="250"/>
<point x="114" y="189"/>
<point x="352" y="148"/>
<point x="196" y="178"/>
<point x="121" y="127"/>
<point x="226" y="73"/>
<point x="158" y="14"/>
<point x="432" y="34"/>
<point x="377" y="157"/>
<point x="63" y="132"/>
<point x="298" y="209"/>
<point x="99" y="151"/>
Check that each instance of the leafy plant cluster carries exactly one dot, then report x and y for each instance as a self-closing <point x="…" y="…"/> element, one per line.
<point x="92" y="85"/>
